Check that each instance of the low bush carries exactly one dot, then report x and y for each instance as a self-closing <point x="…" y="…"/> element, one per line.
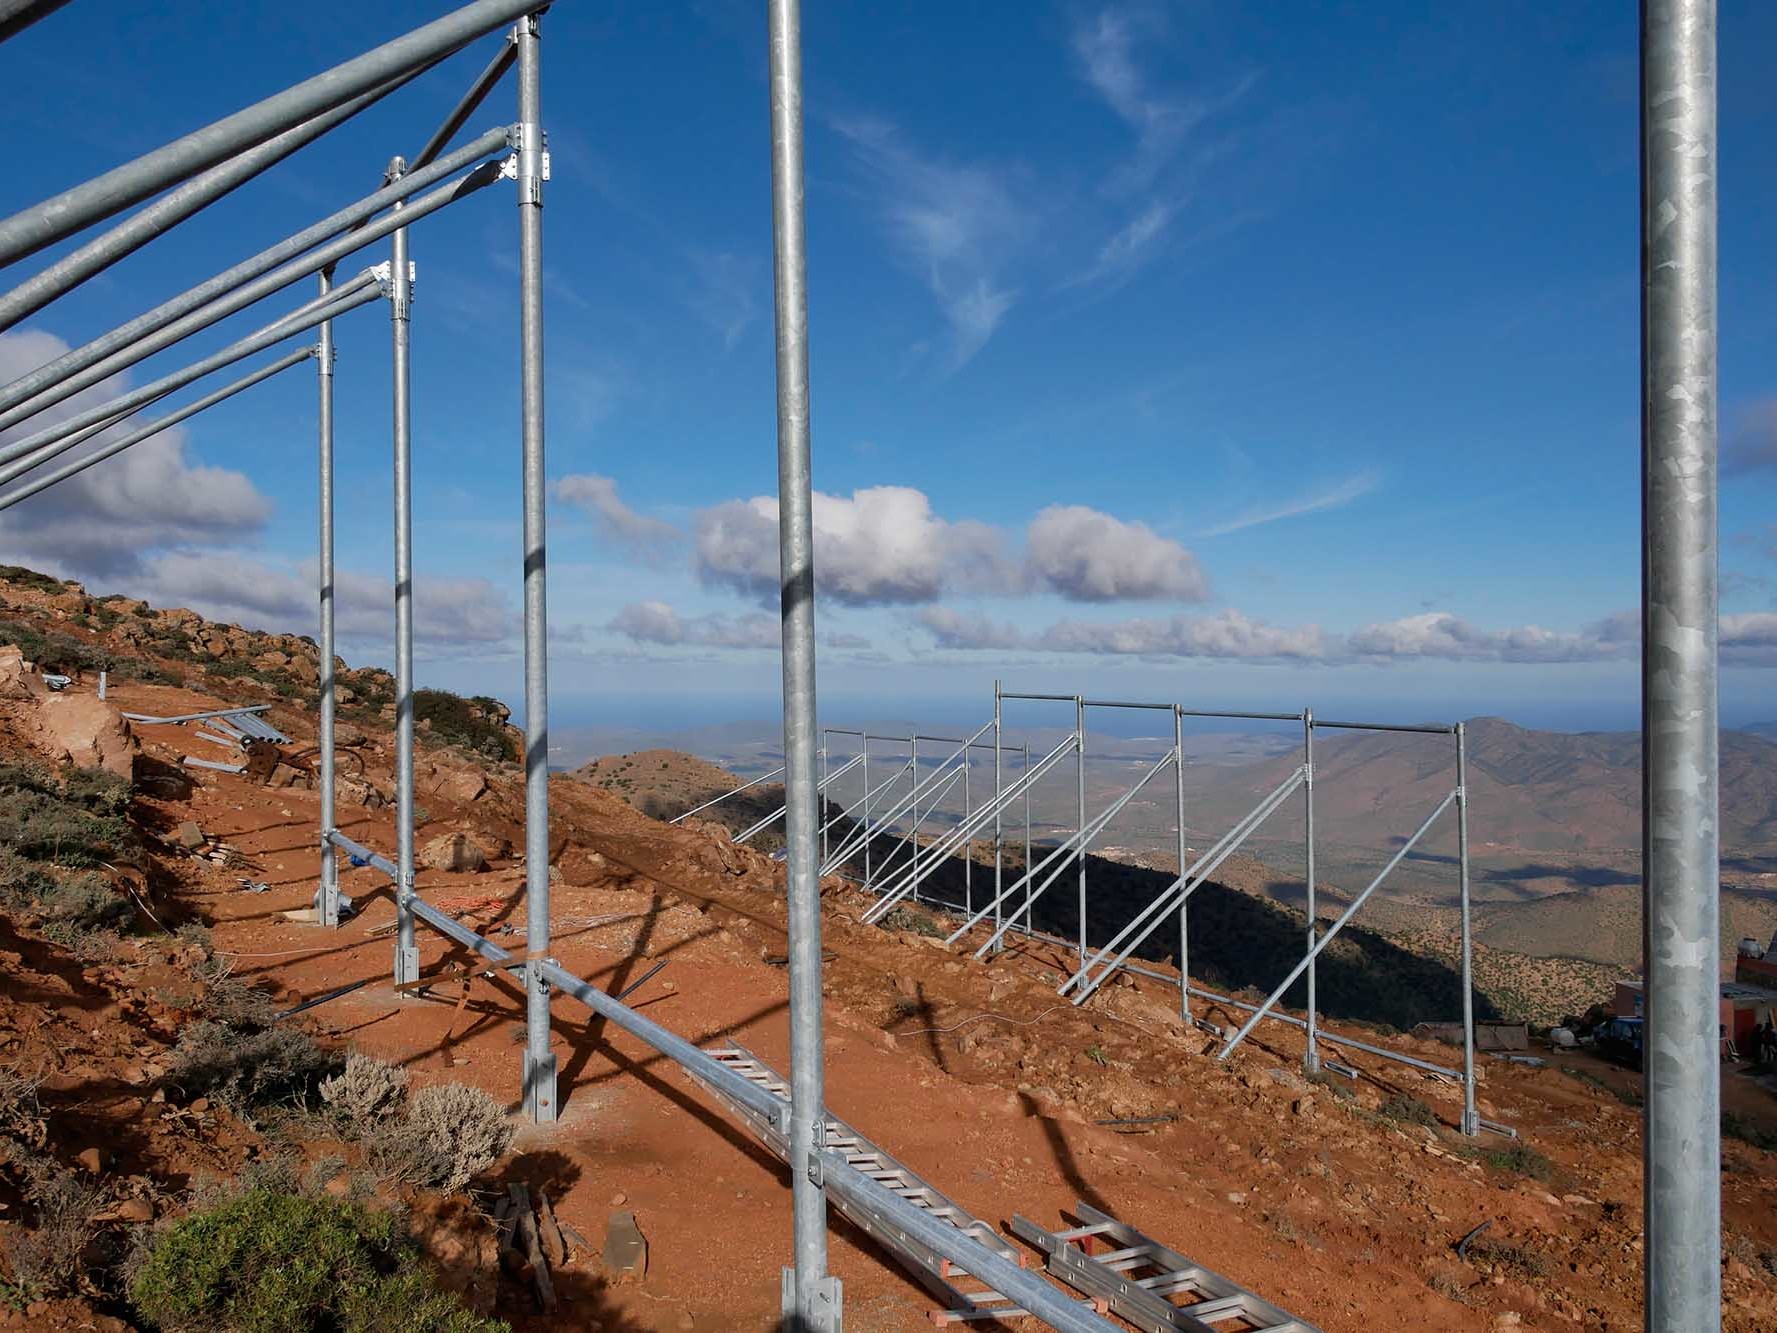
<point x="472" y="724"/>
<point x="915" y="919"/>
<point x="271" y="1261"/>
<point x="77" y="822"/>
<point x="366" y="1092"/>
<point x="20" y="577"/>
<point x="1521" y="1159"/>
<point x="245" y="1069"/>
<point x="1736" y="1126"/>
<point x="45" y="1260"/>
<point x="450" y="1134"/>
<point x="1407" y="1111"/>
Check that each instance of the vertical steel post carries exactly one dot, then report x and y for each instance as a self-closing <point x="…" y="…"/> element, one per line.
<point x="913" y="790"/>
<point x="539" y="1061"/>
<point x="1184" y="927"/>
<point x="1080" y="785"/>
<point x="1027" y="863"/>
<point x="864" y="749"/>
<point x="811" y="1294"/>
<point x="1311" y="1053"/>
<point x="999" y="837"/>
<point x="1471" y="1116"/>
<point x="1681" y="851"/>
<point x="327" y="900"/>
<point x="407" y="954"/>
<point x="969" y="852"/>
<point x="822" y="803"/>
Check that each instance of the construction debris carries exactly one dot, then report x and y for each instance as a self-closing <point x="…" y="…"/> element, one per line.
<point x="626" y="1249"/>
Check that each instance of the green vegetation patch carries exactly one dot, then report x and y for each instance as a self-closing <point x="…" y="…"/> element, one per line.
<point x="276" y="1262"/>
<point x="473" y="724"/>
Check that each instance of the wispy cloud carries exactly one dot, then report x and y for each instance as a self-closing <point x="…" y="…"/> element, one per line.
<point x="955" y="224"/>
<point x="726" y="292"/>
<point x="1336" y="496"/>
<point x="597" y="498"/>
<point x="1158" y="178"/>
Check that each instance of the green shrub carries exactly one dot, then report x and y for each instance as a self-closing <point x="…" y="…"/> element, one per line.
<point x="1736" y="1126"/>
<point x="77" y="823"/>
<point x="915" y="919"/>
<point x="366" y="1092"/>
<point x="245" y="1067"/>
<point x="471" y="724"/>
<point x="1407" y="1110"/>
<point x="1521" y="1159"/>
<point x="275" y="1262"/>
<point x="20" y="577"/>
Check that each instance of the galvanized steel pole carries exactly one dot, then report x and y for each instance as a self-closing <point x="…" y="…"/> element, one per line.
<point x="327" y="901"/>
<point x="1184" y="920"/>
<point x="1680" y="775"/>
<point x="1471" y="1116"/>
<point x="1023" y="771"/>
<point x="913" y="790"/>
<point x="1311" y="1053"/>
<point x="811" y="1296"/>
<point x="999" y="837"/>
<point x="1080" y="785"/>
<point x="539" y="1061"/>
<point x="17" y="15"/>
<point x="61" y="215"/>
<point x="407" y="954"/>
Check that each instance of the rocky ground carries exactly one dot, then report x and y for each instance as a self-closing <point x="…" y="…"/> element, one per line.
<point x="1342" y="1202"/>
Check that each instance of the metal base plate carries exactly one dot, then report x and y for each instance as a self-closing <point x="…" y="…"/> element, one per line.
<point x="831" y="1296"/>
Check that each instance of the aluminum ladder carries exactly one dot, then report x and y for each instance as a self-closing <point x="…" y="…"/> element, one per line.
<point x="933" y="1271"/>
<point x="1140" y="1278"/>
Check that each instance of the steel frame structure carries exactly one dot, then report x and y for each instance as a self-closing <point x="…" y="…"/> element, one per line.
<point x="1678" y="41"/>
<point x="1012" y="901"/>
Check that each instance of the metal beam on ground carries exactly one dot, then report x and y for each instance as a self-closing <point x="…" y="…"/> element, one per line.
<point x="63" y="214"/>
<point x="1680" y="769"/>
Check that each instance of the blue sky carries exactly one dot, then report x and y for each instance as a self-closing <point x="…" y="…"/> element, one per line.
<point x="1241" y="355"/>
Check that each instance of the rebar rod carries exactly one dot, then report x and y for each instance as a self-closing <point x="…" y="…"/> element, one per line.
<point x="72" y="210"/>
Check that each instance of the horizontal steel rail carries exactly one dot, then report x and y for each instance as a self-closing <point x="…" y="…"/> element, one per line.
<point x="973" y="825"/>
<point x="112" y="448"/>
<point x="748" y="834"/>
<point x="745" y="786"/>
<point x="1321" y="1033"/>
<point x="861" y="836"/>
<point x="1425" y="728"/>
<point x="47" y="222"/>
<point x="1149" y="919"/>
<point x="1335" y="928"/>
<point x="250" y="281"/>
<point x="1079" y="840"/>
<point x="363" y="853"/>
<point x="172" y="208"/>
<point x="37" y="449"/>
<point x="1083" y="839"/>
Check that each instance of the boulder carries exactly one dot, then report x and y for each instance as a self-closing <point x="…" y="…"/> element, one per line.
<point x="452" y="781"/>
<point x="83" y="730"/>
<point x="455" y="852"/>
<point x="19" y="678"/>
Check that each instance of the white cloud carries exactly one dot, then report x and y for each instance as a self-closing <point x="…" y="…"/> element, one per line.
<point x="955" y="225"/>
<point x="1438" y="634"/>
<point x="1161" y="122"/>
<point x="1088" y="556"/>
<point x="882" y="545"/>
<point x="597" y="497"/>
<point x="1749" y="639"/>
<point x="954" y="629"/>
<point x="659" y="623"/>
<point x="108" y="519"/>
<point x="225" y="586"/>
<point x="1227" y="634"/>
<point x="1336" y="496"/>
